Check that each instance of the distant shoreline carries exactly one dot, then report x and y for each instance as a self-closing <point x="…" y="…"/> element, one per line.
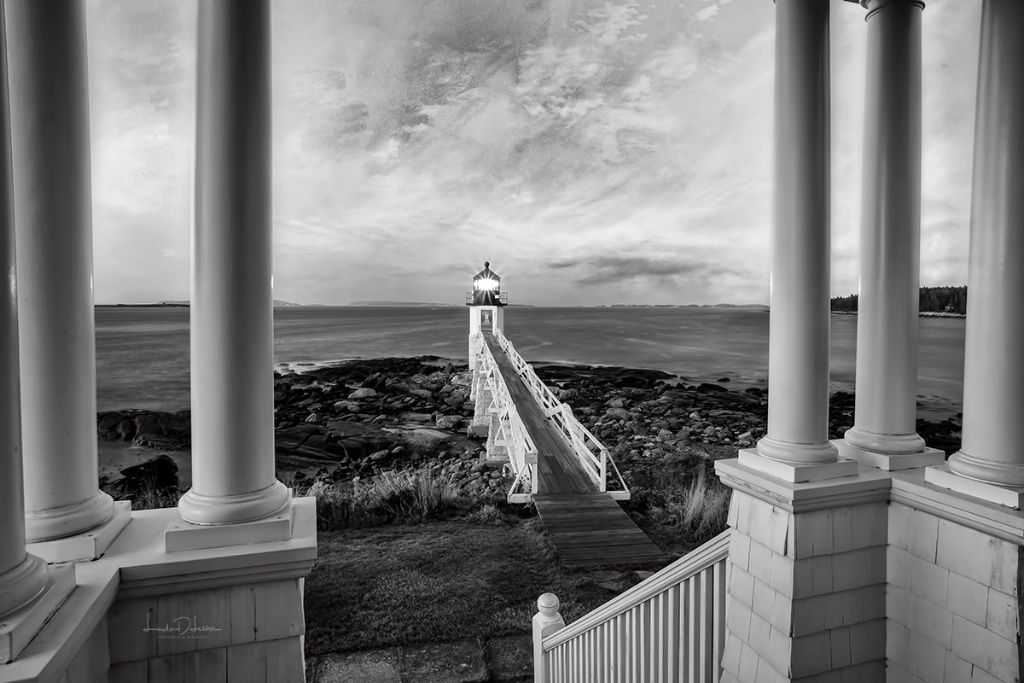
<point x="921" y="314"/>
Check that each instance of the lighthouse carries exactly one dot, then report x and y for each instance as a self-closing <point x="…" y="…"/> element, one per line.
<point x="486" y="306"/>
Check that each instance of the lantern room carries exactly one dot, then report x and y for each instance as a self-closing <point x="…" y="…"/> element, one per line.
<point x="486" y="304"/>
<point x="486" y="289"/>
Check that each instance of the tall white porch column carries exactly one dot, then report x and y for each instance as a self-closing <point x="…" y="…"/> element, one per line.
<point x="53" y="217"/>
<point x="994" y="366"/>
<point x="887" y="321"/>
<point x="799" y="335"/>
<point x="232" y="324"/>
<point x="22" y="576"/>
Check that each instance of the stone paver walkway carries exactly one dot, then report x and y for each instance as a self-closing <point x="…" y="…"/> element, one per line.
<point x="499" y="660"/>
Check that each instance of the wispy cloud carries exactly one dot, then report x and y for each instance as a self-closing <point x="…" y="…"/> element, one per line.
<point x="596" y="150"/>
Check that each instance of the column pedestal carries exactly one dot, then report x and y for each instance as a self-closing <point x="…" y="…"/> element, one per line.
<point x="797" y="472"/>
<point x="890" y="461"/>
<point x="18" y="628"/>
<point x="807" y="577"/>
<point x="87" y="545"/>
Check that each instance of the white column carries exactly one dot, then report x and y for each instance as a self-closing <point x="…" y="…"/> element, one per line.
<point x="799" y="334"/>
<point x="994" y="365"/>
<point x="232" y="323"/>
<point x="887" y="321"/>
<point x="53" y="210"/>
<point x="22" y="576"/>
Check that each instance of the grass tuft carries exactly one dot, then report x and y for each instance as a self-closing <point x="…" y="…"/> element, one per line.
<point x="682" y="514"/>
<point x="395" y="498"/>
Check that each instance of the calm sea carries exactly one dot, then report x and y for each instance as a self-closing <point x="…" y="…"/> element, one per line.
<point x="143" y="353"/>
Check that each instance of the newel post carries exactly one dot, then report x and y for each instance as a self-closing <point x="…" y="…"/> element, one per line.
<point x="545" y="622"/>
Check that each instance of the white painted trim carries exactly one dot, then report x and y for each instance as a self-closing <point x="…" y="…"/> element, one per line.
<point x="715" y="550"/>
<point x="891" y="461"/>
<point x="87" y="545"/>
<point x="797" y="472"/>
<point x="19" y="627"/>
<point x="869" y="485"/>
<point x="910" y="488"/>
<point x="941" y="475"/>
<point x="181" y="535"/>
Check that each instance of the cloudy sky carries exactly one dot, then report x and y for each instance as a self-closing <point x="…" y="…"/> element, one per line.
<point x="594" y="151"/>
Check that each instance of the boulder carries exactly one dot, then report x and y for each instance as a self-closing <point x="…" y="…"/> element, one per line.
<point x="618" y="414"/>
<point x="160" y="472"/>
<point x="448" y="421"/>
<point x="361" y="393"/>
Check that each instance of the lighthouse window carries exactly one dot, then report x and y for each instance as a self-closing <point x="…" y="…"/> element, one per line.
<point x="486" y="285"/>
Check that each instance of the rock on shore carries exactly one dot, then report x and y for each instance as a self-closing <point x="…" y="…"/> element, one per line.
<point x="364" y="417"/>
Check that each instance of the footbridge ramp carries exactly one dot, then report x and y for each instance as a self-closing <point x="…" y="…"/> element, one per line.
<point x="558" y="464"/>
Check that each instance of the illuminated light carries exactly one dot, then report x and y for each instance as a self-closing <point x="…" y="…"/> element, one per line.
<point x="486" y="285"/>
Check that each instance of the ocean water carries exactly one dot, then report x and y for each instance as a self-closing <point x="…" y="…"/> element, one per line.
<point x="143" y="353"/>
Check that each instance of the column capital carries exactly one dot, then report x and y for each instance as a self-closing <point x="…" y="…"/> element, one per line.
<point x="875" y="6"/>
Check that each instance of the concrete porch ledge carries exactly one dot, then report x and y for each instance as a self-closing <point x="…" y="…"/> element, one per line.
<point x="136" y="568"/>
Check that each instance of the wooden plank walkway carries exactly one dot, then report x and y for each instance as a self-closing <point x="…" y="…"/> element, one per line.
<point x="587" y="527"/>
<point x="559" y="469"/>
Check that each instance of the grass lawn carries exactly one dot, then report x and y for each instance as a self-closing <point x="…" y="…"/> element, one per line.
<point x="436" y="581"/>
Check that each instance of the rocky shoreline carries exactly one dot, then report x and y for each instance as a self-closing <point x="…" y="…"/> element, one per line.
<point x="363" y="417"/>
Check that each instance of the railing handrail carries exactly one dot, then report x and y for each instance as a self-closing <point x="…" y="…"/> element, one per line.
<point x="521" y="443"/>
<point x="590" y="460"/>
<point x="694" y="562"/>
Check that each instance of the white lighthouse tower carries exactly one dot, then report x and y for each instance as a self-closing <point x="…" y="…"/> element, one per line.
<point x="486" y="307"/>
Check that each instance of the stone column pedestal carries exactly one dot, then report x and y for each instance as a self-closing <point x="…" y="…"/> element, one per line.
<point x="807" y="578"/>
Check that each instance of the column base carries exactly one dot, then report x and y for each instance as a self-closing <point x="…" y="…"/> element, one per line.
<point x="891" y="461"/>
<point x="943" y="477"/>
<point x="198" y="508"/>
<point x="794" y="472"/>
<point x="21" y="626"/>
<point x="183" y="535"/>
<point x="88" y="545"/>
<point x="63" y="522"/>
<point x="895" y="444"/>
<point x="22" y="584"/>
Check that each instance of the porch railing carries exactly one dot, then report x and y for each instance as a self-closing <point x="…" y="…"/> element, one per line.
<point x="670" y="627"/>
<point x="592" y="454"/>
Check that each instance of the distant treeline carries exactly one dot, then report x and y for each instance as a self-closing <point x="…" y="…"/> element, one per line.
<point x="931" y="300"/>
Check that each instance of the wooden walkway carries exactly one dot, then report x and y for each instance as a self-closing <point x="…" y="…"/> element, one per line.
<point x="559" y="469"/>
<point x="587" y="527"/>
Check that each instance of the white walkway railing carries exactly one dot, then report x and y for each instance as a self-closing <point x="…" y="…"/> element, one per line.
<point x="592" y="454"/>
<point x="671" y="627"/>
<point x="511" y="432"/>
